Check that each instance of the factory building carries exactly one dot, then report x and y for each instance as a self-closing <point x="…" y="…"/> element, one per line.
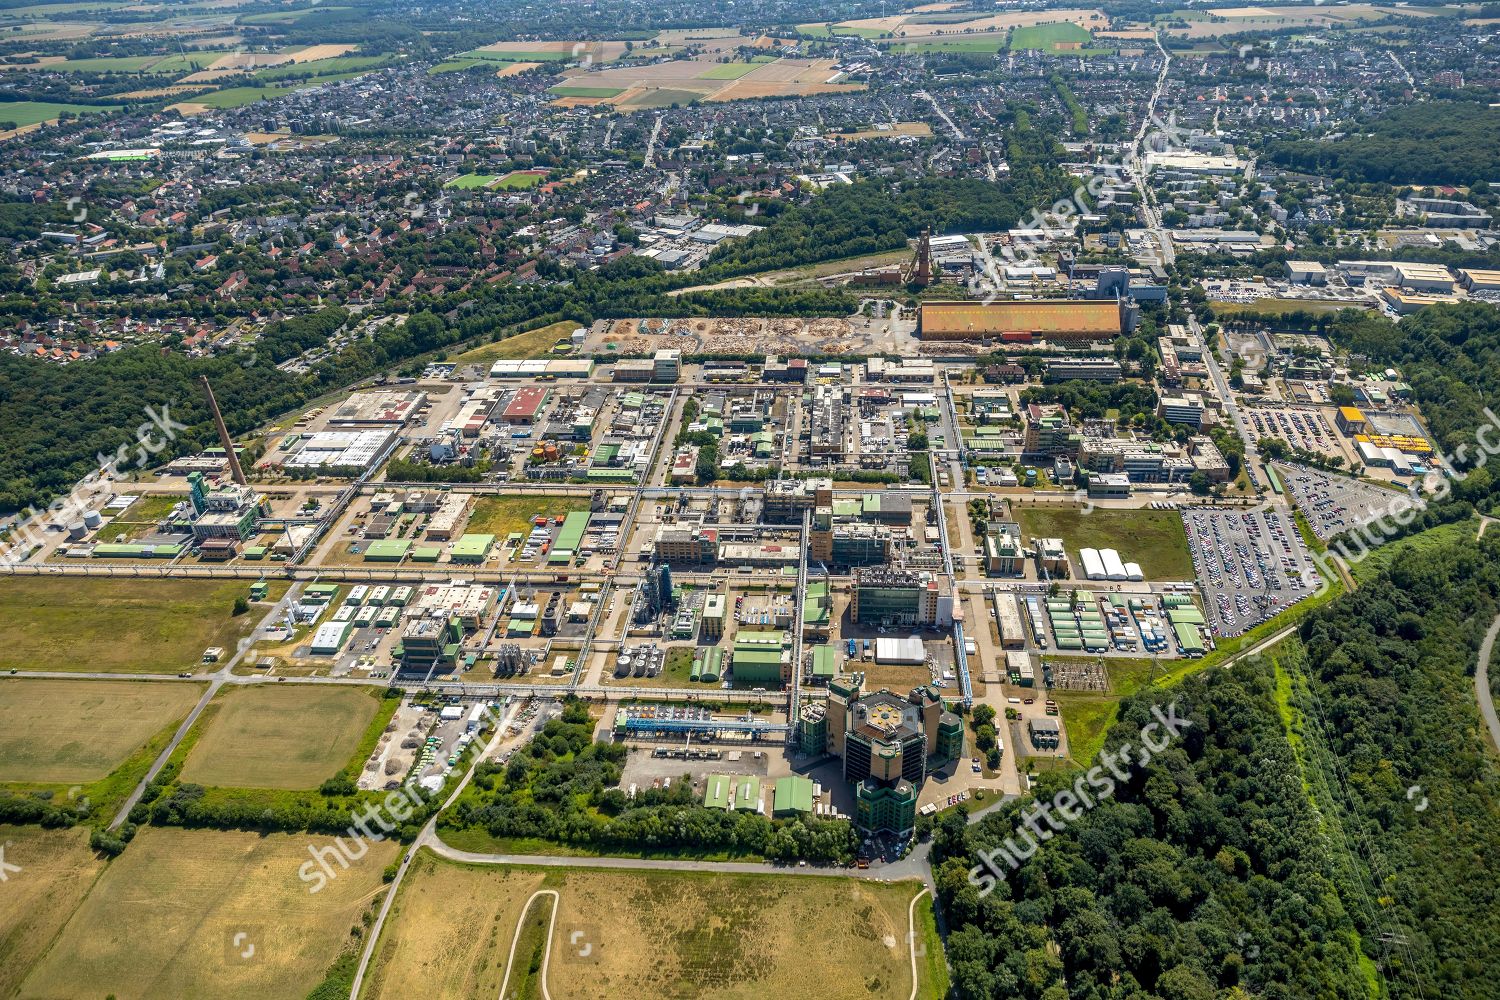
<point x="887" y="595"/>
<point x="1058" y="321"/>
<point x="784" y="501"/>
<point x="888" y="744"/>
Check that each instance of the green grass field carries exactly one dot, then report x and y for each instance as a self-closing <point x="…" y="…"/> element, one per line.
<point x="323" y="67"/>
<point x="988" y="45"/>
<point x="727" y="71"/>
<point x="120" y="625"/>
<point x="1153" y="538"/>
<point x="292" y="737"/>
<point x="501" y="515"/>
<point x="519" y="180"/>
<point x="516" y="55"/>
<point x="521" y="347"/>
<point x="1048" y="36"/>
<point x="566" y="91"/>
<point x="238" y="97"/>
<point x="470" y="182"/>
<point x="174" y="915"/>
<point x="31" y="112"/>
<point x="63" y="731"/>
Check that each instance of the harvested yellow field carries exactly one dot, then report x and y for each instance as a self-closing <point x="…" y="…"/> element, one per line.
<point x="516" y="69"/>
<point x="290" y="737"/>
<point x="62" y="731"/>
<point x="57" y="870"/>
<point x="449" y="931"/>
<point x="206" y="914"/>
<point x="315" y="52"/>
<point x="921" y="129"/>
<point x="654" y="934"/>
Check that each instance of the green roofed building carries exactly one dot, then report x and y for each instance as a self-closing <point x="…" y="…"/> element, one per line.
<point x="719" y="791"/>
<point x="824" y="664"/>
<point x="1187" y="637"/>
<point x="759" y="657"/>
<point x="473" y="548"/>
<point x="387" y="550"/>
<point x="747" y="794"/>
<point x="793" y="795"/>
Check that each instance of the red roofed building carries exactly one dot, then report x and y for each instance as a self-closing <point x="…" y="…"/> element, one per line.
<point x="525" y="405"/>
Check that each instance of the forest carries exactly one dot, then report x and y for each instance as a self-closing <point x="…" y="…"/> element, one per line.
<point x="1442" y="142"/>
<point x="1275" y="849"/>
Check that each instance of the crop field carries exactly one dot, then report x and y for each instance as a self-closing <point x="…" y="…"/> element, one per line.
<point x="57" y="871"/>
<point x="728" y="71"/>
<point x="501" y="515"/>
<point x="684" y="80"/>
<point x="656" y="934"/>
<point x="174" y="916"/>
<point x="121" y="626"/>
<point x="61" y="731"/>
<point x="603" y="92"/>
<point x="1058" y="37"/>
<point x="1153" y="538"/>
<point x="24" y="113"/>
<point x="291" y="737"/>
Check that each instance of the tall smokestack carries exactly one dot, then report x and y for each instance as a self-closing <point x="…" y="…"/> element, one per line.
<point x="213" y="407"/>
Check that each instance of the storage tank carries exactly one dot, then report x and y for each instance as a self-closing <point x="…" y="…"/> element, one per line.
<point x="76" y="531"/>
<point x="91" y="519"/>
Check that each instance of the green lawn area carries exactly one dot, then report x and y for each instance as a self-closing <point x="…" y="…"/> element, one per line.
<point x="676" y="672"/>
<point x="518" y="180"/>
<point x="514" y="55"/>
<point x="1277" y="307"/>
<point x="323" y="67"/>
<point x="1153" y="538"/>
<point x="992" y="44"/>
<point x="566" y="91"/>
<point x="468" y="182"/>
<point x="501" y="515"/>
<point x="1047" y="36"/>
<point x="125" y="625"/>
<point x="31" y="112"/>
<point x="727" y="71"/>
<point x="138" y="519"/>
<point x="522" y="347"/>
<point x="459" y="65"/>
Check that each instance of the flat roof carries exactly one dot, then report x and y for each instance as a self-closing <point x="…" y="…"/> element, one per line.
<point x="793" y="794"/>
<point x="1041" y="316"/>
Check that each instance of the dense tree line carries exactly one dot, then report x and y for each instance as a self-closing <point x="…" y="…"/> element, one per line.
<point x="871" y="216"/>
<point x="1442" y="142"/>
<point x="1203" y="874"/>
<point x="1276" y="849"/>
<point x="562" y="787"/>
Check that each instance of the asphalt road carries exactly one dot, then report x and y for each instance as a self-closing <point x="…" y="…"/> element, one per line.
<point x="1482" y="684"/>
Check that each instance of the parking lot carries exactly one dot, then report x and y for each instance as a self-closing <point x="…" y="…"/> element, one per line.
<point x="1302" y="427"/>
<point x="1250" y="566"/>
<point x="1335" y="504"/>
